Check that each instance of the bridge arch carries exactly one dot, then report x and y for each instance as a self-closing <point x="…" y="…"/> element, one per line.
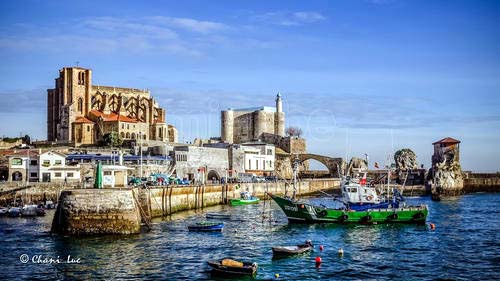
<point x="335" y="165"/>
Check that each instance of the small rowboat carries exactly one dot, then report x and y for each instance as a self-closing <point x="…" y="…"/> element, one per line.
<point x="293" y="250"/>
<point x="245" y="198"/>
<point x="231" y="267"/>
<point x="14" y="212"/>
<point x="217" y="216"/>
<point x="4" y="211"/>
<point x="206" y="226"/>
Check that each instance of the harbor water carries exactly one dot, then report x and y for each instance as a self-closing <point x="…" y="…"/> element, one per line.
<point x="464" y="245"/>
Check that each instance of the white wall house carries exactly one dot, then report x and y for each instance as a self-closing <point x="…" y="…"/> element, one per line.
<point x="49" y="166"/>
<point x="259" y="158"/>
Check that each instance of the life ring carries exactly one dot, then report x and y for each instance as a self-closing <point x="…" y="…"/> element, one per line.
<point x="369" y="197"/>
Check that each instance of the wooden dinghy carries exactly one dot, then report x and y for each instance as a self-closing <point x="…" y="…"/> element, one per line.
<point x="232" y="267"/>
<point x="293" y="250"/>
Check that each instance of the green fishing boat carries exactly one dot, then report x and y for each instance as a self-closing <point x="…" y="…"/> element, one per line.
<point x="360" y="203"/>
<point x="245" y="199"/>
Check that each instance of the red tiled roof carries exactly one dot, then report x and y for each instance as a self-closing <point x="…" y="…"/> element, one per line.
<point x="113" y="116"/>
<point x="82" y="120"/>
<point x="447" y="141"/>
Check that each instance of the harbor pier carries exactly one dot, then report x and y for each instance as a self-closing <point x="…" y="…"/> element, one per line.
<point x="121" y="211"/>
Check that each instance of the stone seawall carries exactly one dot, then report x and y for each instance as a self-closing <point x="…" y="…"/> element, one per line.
<point x="120" y="211"/>
<point x="97" y="211"/>
<point x="162" y="201"/>
<point x="481" y="182"/>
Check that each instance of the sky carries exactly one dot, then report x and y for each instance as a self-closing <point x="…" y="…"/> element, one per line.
<point x="358" y="76"/>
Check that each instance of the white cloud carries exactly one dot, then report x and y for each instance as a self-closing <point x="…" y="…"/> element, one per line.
<point x="290" y="18"/>
<point x="190" y="24"/>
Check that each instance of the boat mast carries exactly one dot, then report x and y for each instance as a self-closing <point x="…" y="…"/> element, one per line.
<point x="295" y="168"/>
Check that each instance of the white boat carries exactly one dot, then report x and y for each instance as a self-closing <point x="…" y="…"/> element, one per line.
<point x="14" y="212"/>
<point x="4" y="211"/>
<point x="29" y="210"/>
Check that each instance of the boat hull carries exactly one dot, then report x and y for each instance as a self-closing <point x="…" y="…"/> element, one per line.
<point x="291" y="251"/>
<point x="299" y="212"/>
<point x="216" y="227"/>
<point x="237" y="202"/>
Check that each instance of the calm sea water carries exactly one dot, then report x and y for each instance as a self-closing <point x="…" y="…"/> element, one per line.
<point x="465" y="245"/>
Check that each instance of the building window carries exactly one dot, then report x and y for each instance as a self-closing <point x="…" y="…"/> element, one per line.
<point x="46" y="163"/>
<point x="249" y="164"/>
<point x="33" y="175"/>
<point x="107" y="173"/>
<point x="122" y="135"/>
<point x="33" y="162"/>
<point x="88" y="128"/>
<point x="123" y="126"/>
<point x="58" y="162"/>
<point x="57" y="175"/>
<point x="256" y="164"/>
<point x="80" y="105"/>
<point x="69" y="175"/>
<point x="127" y="135"/>
<point x="269" y="152"/>
<point x="16" y="161"/>
<point x="128" y="126"/>
<point x="133" y="135"/>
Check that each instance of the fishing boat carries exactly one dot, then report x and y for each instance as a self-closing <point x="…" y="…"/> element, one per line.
<point x="245" y="198"/>
<point x="207" y="226"/>
<point x="293" y="250"/>
<point x="232" y="267"/>
<point x="360" y="203"/>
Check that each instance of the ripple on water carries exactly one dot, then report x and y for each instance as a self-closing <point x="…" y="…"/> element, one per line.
<point x="465" y="245"/>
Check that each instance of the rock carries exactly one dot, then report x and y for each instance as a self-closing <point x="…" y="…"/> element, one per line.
<point x="357" y="164"/>
<point x="446" y="176"/>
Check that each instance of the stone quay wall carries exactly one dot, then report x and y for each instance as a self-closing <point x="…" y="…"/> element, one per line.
<point x="162" y="201"/>
<point x="120" y="211"/>
<point x="481" y="182"/>
<point x="97" y="211"/>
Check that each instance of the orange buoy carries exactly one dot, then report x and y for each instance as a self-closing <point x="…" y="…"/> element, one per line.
<point x="432" y="226"/>
<point x="321" y="247"/>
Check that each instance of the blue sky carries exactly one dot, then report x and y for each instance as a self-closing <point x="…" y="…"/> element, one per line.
<point x="384" y="74"/>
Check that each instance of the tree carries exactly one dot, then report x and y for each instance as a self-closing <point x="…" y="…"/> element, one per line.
<point x="27" y="139"/>
<point x="293" y="132"/>
<point x="112" y="139"/>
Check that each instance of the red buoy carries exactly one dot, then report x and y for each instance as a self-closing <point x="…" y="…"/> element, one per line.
<point x="432" y="226"/>
<point x="321" y="247"/>
<point x="318" y="261"/>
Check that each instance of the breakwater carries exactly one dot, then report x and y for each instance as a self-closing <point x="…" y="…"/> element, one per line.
<point x="120" y="211"/>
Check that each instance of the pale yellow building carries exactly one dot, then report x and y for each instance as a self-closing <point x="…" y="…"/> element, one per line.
<point x="81" y="113"/>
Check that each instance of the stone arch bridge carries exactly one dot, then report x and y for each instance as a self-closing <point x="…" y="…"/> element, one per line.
<point x="334" y="165"/>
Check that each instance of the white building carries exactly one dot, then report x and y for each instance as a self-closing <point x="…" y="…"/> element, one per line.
<point x="114" y="175"/>
<point x="49" y="166"/>
<point x="259" y="158"/>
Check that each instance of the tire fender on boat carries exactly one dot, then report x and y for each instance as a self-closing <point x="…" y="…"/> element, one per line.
<point x="322" y="213"/>
<point x="418" y="215"/>
<point x="344" y="217"/>
<point x="393" y="216"/>
<point x="367" y="218"/>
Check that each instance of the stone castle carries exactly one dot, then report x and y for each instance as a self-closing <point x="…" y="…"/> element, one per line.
<point x="249" y="124"/>
<point x="81" y="113"/>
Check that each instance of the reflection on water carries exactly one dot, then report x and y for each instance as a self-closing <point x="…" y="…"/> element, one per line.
<point x="465" y="244"/>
